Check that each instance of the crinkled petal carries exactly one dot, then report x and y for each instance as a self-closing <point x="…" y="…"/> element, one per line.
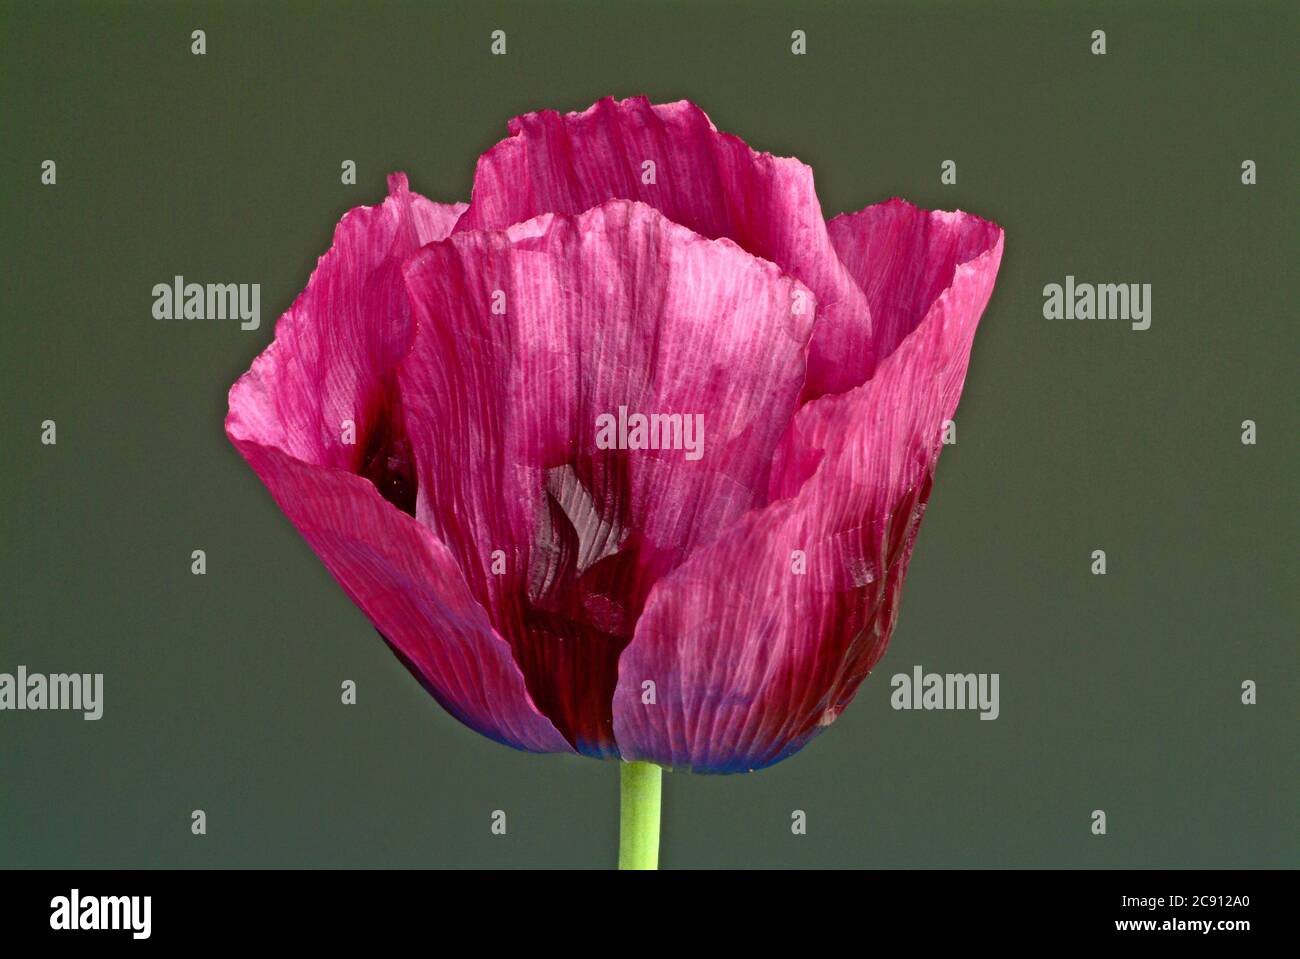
<point x="409" y="587"/>
<point x="708" y="181"/>
<point x="333" y="364"/>
<point x="337" y="346"/>
<point x="561" y="539"/>
<point x="902" y="257"/>
<point x="751" y="658"/>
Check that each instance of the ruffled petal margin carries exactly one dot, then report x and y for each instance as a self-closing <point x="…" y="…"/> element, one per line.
<point x="671" y="157"/>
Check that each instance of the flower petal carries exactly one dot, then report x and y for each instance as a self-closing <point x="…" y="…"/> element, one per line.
<point x="902" y="257"/>
<point x="409" y="587"/>
<point x="743" y="682"/>
<point x="615" y="308"/>
<point x="336" y="347"/>
<point x="333" y="361"/>
<point x="708" y="181"/>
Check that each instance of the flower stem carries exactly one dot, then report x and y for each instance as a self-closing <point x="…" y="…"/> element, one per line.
<point x="638" y="821"/>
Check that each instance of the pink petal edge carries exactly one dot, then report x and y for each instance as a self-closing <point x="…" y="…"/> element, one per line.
<point x="707" y="181"/>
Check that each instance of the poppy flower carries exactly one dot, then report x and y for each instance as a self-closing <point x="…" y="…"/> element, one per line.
<point x="627" y="456"/>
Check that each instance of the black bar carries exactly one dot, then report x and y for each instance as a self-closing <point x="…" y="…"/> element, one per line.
<point x="232" y="908"/>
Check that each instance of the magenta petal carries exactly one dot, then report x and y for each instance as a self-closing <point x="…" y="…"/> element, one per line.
<point x="902" y="258"/>
<point x="333" y="361"/>
<point x="616" y="307"/>
<point x="749" y="660"/>
<point x="409" y="587"/>
<point x="337" y="346"/>
<point x="708" y="181"/>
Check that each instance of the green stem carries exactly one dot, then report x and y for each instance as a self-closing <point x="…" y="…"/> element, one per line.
<point x="638" y="820"/>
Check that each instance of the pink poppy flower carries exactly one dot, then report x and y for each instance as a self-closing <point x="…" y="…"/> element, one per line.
<point x="627" y="456"/>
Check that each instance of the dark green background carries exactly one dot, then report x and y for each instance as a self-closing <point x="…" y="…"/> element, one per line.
<point x="222" y="692"/>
